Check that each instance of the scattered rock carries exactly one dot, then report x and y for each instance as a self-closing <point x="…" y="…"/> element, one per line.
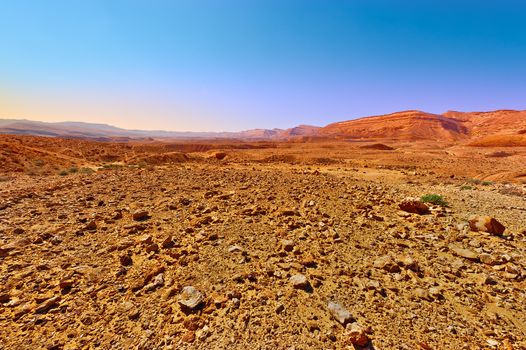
<point x="299" y="281"/>
<point x="126" y="259"/>
<point x="287" y="245"/>
<point x="190" y="298"/>
<point x="4" y="298"/>
<point x="234" y="248"/>
<point x="421" y="293"/>
<point x="339" y="313"/>
<point x="486" y="224"/>
<point x="464" y="253"/>
<point x="157" y="282"/>
<point x="168" y="242"/>
<point x="188" y="337"/>
<point x="488" y="259"/>
<point x="65" y="284"/>
<point x="356" y="334"/>
<point x="140" y="215"/>
<point x="91" y="226"/>
<point x="48" y="304"/>
<point x="386" y="263"/>
<point x="414" y="206"/>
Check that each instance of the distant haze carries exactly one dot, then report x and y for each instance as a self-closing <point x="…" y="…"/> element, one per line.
<point x="206" y="65"/>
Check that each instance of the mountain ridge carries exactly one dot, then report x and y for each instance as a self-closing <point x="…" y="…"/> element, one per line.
<point x="409" y="125"/>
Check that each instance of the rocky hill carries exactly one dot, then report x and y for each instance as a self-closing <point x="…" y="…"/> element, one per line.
<point x="408" y="125"/>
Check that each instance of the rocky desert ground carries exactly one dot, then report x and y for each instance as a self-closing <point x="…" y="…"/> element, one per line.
<point x="261" y="245"/>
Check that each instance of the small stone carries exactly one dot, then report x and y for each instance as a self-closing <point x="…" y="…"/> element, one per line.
<point x="486" y="279"/>
<point x="236" y="302"/>
<point x="435" y="293"/>
<point x="492" y="343"/>
<point x="153" y="247"/>
<point x="157" y="282"/>
<point x="356" y="335"/>
<point x="486" y="224"/>
<point x="168" y="242"/>
<point x="126" y="259"/>
<point x="339" y="313"/>
<point x="464" y="253"/>
<point x="193" y="323"/>
<point x="488" y="259"/>
<point x="91" y="226"/>
<point x="134" y="314"/>
<point x="287" y="245"/>
<point x="422" y="294"/>
<point x="190" y="297"/>
<point x="234" y="248"/>
<point x="203" y="333"/>
<point x="409" y="263"/>
<point x="189" y="337"/>
<point x="140" y="215"/>
<point x="145" y="239"/>
<point x="4" y="298"/>
<point x="280" y="308"/>
<point x="386" y="263"/>
<point x="299" y="281"/>
<point x="65" y="284"/>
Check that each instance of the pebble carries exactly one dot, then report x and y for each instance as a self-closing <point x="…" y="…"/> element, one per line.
<point x="91" y="226"/>
<point x="356" y="334"/>
<point x="140" y="215"/>
<point x="234" y="248"/>
<point x="488" y="259"/>
<point x="339" y="313"/>
<point x="287" y="245"/>
<point x="465" y="253"/>
<point x="190" y="297"/>
<point x="126" y="259"/>
<point x="386" y="263"/>
<point x="299" y="281"/>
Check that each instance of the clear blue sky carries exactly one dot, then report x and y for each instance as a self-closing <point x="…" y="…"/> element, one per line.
<point x="239" y="64"/>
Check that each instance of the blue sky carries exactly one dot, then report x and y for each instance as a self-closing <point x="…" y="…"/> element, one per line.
<point x="239" y="64"/>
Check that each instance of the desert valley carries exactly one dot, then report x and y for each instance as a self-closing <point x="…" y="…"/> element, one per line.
<point x="402" y="231"/>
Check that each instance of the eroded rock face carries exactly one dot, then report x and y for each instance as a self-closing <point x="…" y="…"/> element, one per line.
<point x="486" y="224"/>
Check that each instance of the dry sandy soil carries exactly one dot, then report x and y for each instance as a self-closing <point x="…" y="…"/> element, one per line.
<point x="285" y="245"/>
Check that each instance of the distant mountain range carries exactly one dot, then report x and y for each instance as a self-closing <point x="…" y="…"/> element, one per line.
<point x="413" y="125"/>
<point x="108" y="132"/>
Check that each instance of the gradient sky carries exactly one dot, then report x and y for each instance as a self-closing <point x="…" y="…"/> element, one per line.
<point x="212" y="65"/>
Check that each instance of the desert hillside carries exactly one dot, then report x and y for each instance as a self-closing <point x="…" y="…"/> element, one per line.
<point x="498" y="126"/>
<point x="409" y="126"/>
